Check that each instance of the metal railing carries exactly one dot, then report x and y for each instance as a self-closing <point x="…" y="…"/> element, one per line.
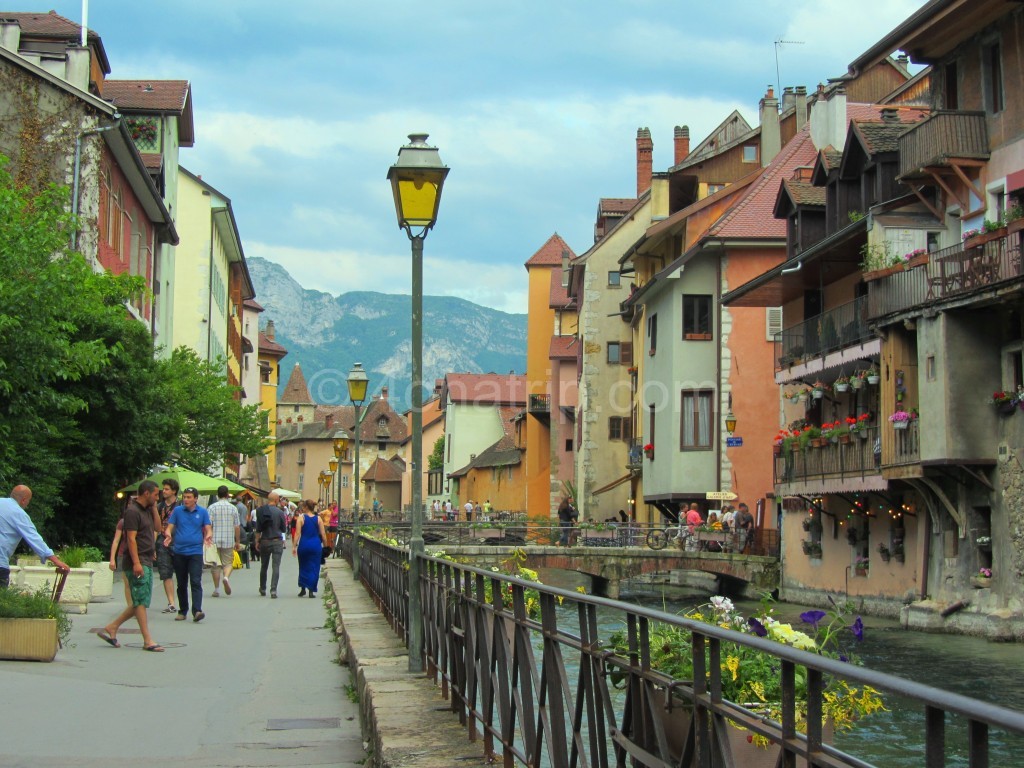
<point x="537" y="687"/>
<point x="839" y="460"/>
<point x="539" y="403"/>
<point x="951" y="273"/>
<point x="837" y="328"/>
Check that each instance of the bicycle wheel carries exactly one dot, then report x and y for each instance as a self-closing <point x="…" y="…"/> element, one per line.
<point x="657" y="539"/>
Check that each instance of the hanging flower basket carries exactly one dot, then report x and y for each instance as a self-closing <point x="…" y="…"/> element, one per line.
<point x="842" y="386"/>
<point x="817" y="393"/>
<point x="872" y="378"/>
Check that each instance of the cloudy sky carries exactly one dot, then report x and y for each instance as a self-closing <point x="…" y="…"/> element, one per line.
<point x="300" y="107"/>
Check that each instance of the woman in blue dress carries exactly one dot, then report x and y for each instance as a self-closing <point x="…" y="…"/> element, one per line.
<point x="308" y="544"/>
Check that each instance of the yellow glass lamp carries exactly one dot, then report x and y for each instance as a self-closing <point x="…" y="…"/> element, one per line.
<point x="416" y="181"/>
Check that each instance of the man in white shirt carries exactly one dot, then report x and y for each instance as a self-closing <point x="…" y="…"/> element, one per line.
<point x="469" y="511"/>
<point x="226" y="537"/>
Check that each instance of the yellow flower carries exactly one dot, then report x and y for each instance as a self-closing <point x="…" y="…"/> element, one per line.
<point x="733" y="665"/>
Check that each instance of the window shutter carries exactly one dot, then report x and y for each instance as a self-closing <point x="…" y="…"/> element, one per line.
<point x="627" y="430"/>
<point x="626" y="353"/>
<point x="772" y="322"/>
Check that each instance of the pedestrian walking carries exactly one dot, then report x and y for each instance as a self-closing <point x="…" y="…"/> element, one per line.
<point x="227" y="533"/>
<point x="311" y="538"/>
<point x="567" y="516"/>
<point x="15" y="525"/>
<point x="188" y="529"/>
<point x="164" y="556"/>
<point x="140" y="522"/>
<point x="271" y="527"/>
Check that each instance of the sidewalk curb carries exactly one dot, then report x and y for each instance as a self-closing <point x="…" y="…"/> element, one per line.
<point x="405" y="720"/>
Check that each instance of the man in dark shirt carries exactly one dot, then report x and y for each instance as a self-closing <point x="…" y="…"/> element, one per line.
<point x="140" y="524"/>
<point x="745" y="526"/>
<point x="271" y="526"/>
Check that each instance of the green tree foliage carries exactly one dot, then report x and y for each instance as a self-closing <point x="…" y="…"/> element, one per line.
<point x="84" y="406"/>
<point x="212" y="424"/>
<point x="436" y="460"/>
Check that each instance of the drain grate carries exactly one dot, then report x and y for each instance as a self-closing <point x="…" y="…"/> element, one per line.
<point x="303" y="722"/>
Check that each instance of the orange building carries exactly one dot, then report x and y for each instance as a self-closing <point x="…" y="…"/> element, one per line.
<point x="550" y="383"/>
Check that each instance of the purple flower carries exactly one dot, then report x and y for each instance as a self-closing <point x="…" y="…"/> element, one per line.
<point x="757" y="627"/>
<point x="843" y="657"/>
<point x="858" y="629"/>
<point x="812" y="617"/>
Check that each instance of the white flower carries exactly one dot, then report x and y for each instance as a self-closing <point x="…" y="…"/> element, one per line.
<point x="723" y="604"/>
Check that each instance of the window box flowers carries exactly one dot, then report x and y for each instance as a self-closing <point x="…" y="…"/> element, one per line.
<point x="812" y="548"/>
<point x="916" y="258"/>
<point x="1007" y="401"/>
<point x="861" y="565"/>
<point x="983" y="579"/>
<point x="900" y="419"/>
<point x="859" y="425"/>
<point x="649" y="450"/>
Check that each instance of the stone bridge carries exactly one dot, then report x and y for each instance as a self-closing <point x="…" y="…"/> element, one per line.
<point x="608" y="566"/>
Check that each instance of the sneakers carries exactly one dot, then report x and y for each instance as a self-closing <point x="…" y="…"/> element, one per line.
<point x="199" y="616"/>
<point x="227" y="585"/>
<point x="169" y="609"/>
<point x="180" y="617"/>
<point x="216" y="593"/>
<point x="263" y="593"/>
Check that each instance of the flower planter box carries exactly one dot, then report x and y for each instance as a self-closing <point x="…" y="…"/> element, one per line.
<point x="979" y="240"/>
<point x="917" y="261"/>
<point x="77" y="590"/>
<point x="872" y="378"/>
<point x="878" y="274"/>
<point x="860" y="571"/>
<point x="102" y="580"/>
<point x="1015" y="226"/>
<point x="981" y="582"/>
<point x="28" y="639"/>
<point x="900" y="424"/>
<point x="1006" y="409"/>
<point x="845" y="439"/>
<point x="842" y="387"/>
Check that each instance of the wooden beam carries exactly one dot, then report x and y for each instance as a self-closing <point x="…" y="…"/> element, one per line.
<point x="948" y="189"/>
<point x="924" y="201"/>
<point x="978" y="191"/>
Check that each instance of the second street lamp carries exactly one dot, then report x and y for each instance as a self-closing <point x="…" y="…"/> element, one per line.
<point x="416" y="182"/>
<point x="340" y="445"/>
<point x="357" y="384"/>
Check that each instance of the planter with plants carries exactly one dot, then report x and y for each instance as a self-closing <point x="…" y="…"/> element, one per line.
<point x="900" y="419"/>
<point x="990" y="230"/>
<point x="983" y="579"/>
<point x="859" y="425"/>
<point x="32" y="626"/>
<point x="1014" y="218"/>
<point x="860" y="566"/>
<point x="884" y="553"/>
<point x="77" y="590"/>
<point x="897" y="550"/>
<point x="752" y="677"/>
<point x="649" y="450"/>
<point x="811" y="548"/>
<point x="916" y="258"/>
<point x="486" y="530"/>
<point x="91" y="558"/>
<point x="1007" y="401"/>
<point x="871" y="376"/>
<point x="842" y="384"/>
<point x="878" y="261"/>
<point x="818" y="390"/>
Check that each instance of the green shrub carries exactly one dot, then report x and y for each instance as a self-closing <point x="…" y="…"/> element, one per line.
<point x="18" y="603"/>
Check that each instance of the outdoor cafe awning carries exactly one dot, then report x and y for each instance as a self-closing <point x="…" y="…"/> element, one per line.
<point x="614" y="483"/>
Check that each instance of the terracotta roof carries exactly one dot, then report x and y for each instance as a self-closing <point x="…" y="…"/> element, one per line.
<point x="559" y="295"/>
<point x="148" y="95"/>
<point x="394" y="429"/>
<point x="484" y="388"/>
<point x="271" y="347"/>
<point x="253" y="305"/>
<point x="382" y="471"/>
<point x="550" y="254"/>
<point x="804" y="193"/>
<point x="296" y="390"/>
<point x="615" y="205"/>
<point x="54" y="26"/>
<point x="753" y="216"/>
<point x="563" y="348"/>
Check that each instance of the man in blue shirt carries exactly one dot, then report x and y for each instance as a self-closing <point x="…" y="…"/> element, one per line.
<point x="15" y="525"/>
<point x="188" y="528"/>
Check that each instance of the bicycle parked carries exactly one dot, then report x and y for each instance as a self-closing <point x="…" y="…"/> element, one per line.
<point x="659" y="538"/>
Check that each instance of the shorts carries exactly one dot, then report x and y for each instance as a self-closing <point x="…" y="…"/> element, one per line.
<point x="227" y="557"/>
<point x="164" y="565"/>
<point x="141" y="587"/>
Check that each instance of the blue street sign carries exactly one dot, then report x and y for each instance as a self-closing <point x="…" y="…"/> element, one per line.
<point x="733" y="442"/>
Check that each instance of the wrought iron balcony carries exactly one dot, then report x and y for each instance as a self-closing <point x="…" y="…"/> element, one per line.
<point x="636" y="454"/>
<point x="974" y="267"/>
<point x="836" y="461"/>
<point x="943" y="137"/>
<point x="832" y="330"/>
<point x="540" y="404"/>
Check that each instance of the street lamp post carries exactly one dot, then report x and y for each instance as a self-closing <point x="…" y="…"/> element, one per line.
<point x="357" y="383"/>
<point x="340" y="449"/>
<point x="333" y="464"/>
<point x="416" y="181"/>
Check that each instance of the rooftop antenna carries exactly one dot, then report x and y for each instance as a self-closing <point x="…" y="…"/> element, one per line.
<point x="778" y="77"/>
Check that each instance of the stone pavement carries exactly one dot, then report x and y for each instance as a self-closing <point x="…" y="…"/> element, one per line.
<point x="255" y="684"/>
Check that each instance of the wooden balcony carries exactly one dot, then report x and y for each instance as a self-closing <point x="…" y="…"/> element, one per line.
<point x="901" y="447"/>
<point x="941" y="141"/>
<point x="835" y="329"/>
<point x="833" y="468"/>
<point x="961" y="272"/>
<point x="539" y="406"/>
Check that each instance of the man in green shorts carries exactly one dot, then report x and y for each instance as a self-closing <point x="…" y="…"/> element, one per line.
<point x="141" y="521"/>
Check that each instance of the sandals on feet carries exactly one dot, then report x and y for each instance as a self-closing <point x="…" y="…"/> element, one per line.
<point x="153" y="648"/>
<point x="106" y="638"/>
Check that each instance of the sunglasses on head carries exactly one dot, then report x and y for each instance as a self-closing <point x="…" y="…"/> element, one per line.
<point x="193" y="491"/>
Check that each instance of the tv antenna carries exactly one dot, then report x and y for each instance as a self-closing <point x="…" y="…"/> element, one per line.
<point x="778" y="77"/>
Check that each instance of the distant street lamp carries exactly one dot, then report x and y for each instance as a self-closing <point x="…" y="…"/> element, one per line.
<point x="340" y="444"/>
<point x="730" y="422"/>
<point x="357" y="383"/>
<point x="416" y="181"/>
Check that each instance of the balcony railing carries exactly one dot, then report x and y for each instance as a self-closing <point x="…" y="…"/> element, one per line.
<point x="834" y="461"/>
<point x="942" y="136"/>
<point x="958" y="271"/>
<point x="636" y="453"/>
<point x="903" y="445"/>
<point x="540" y="403"/>
<point x="832" y="330"/>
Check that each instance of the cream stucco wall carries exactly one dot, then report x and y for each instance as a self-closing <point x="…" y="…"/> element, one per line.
<point x="469" y="429"/>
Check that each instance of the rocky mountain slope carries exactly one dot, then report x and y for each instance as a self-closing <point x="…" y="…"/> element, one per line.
<point x="327" y="334"/>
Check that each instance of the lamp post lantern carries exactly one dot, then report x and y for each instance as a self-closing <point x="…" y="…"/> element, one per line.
<point x="357" y="384"/>
<point x="340" y="445"/>
<point x="417" y="179"/>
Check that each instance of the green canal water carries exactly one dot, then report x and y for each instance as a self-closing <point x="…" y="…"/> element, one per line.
<point x="992" y="672"/>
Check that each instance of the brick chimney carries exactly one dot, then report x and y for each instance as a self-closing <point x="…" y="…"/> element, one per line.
<point x="801" y="106"/>
<point x="771" y="136"/>
<point x="644" y="160"/>
<point x="328" y="422"/>
<point x="269" y="330"/>
<point x="682" y="143"/>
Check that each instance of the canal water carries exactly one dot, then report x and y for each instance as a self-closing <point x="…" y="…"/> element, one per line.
<point x="992" y="672"/>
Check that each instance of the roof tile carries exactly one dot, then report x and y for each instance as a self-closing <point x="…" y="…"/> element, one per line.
<point x="484" y="388"/>
<point x="148" y="95"/>
<point x="296" y="391"/>
<point x="563" y="348"/>
<point x="550" y="254"/>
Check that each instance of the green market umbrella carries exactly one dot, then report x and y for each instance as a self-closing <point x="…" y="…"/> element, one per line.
<point x="188" y="479"/>
<point x="286" y="494"/>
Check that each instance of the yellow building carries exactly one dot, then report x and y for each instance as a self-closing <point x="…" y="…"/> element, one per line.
<point x="549" y="315"/>
<point x="270" y="354"/>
